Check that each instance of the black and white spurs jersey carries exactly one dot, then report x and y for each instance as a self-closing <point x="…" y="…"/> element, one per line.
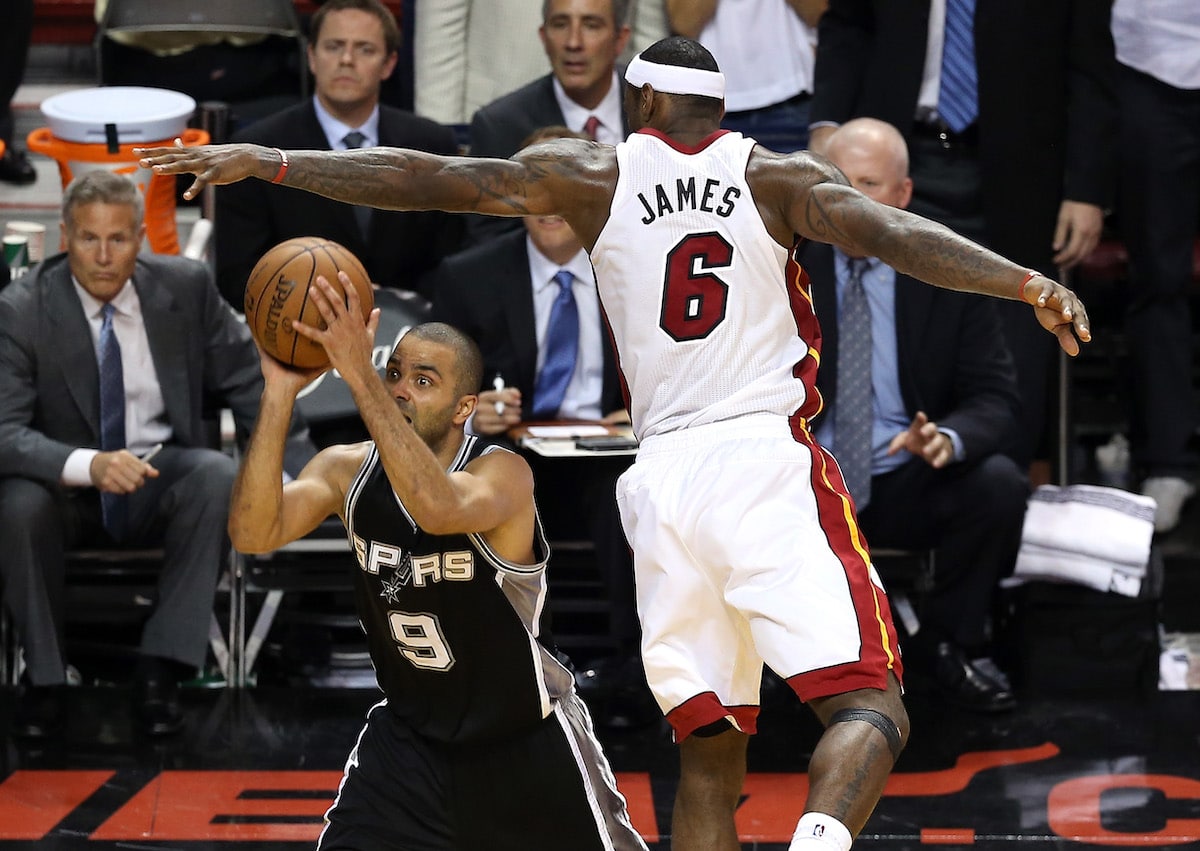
<point x="452" y="628"/>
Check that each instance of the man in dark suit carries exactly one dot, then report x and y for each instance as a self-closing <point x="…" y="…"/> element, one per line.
<point x="583" y="39"/>
<point x="106" y="355"/>
<point x="939" y="401"/>
<point x="502" y="295"/>
<point x="1029" y="164"/>
<point x="353" y="49"/>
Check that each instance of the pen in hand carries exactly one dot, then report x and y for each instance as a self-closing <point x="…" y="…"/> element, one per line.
<point x="498" y="385"/>
<point x="148" y="456"/>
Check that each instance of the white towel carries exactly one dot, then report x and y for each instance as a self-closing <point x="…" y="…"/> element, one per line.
<point x="1088" y="535"/>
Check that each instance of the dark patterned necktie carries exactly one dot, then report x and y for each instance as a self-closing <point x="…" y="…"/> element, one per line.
<point x="561" y="351"/>
<point x="362" y="215"/>
<point x="112" y="415"/>
<point x="590" y="126"/>
<point x="958" y="98"/>
<point x="854" y="411"/>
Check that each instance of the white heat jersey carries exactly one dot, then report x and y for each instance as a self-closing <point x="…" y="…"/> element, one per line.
<point x="712" y="318"/>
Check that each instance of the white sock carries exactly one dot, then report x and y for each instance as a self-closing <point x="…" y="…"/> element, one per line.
<point x="817" y="831"/>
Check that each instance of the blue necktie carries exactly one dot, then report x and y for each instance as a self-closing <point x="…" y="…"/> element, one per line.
<point x="354" y="139"/>
<point x="112" y="415"/>
<point x="853" y="414"/>
<point x="561" y="351"/>
<point x="958" y="99"/>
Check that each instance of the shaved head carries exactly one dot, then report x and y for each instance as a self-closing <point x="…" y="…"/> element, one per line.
<point x="874" y="157"/>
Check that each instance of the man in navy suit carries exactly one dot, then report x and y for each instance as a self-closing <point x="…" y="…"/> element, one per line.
<point x="71" y="474"/>
<point x="353" y="49"/>
<point x="501" y="294"/>
<point x="1032" y="163"/>
<point x="943" y="402"/>
<point x="583" y="39"/>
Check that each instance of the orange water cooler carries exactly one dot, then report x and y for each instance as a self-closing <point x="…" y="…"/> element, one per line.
<point x="92" y="129"/>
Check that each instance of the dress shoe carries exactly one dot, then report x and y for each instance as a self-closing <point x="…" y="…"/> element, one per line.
<point x="157" y="705"/>
<point x="15" y="167"/>
<point x="967" y="685"/>
<point x="41" y="712"/>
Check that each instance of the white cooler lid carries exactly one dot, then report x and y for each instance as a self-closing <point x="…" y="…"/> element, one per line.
<point x="135" y="113"/>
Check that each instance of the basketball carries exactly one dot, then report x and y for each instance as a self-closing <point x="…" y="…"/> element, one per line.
<point x="277" y="293"/>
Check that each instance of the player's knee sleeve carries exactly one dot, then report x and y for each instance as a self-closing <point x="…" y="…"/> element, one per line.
<point x="876" y="719"/>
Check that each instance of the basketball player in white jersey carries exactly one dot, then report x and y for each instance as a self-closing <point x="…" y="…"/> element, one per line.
<point x="746" y="546"/>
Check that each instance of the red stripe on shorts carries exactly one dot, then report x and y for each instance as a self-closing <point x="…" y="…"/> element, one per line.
<point x="705" y="709"/>
<point x="879" y="646"/>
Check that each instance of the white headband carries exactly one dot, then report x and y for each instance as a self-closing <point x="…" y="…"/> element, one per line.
<point x="675" y="79"/>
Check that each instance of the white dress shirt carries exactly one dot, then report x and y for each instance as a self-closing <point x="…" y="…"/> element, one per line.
<point x="335" y="131"/>
<point x="582" y="400"/>
<point x="145" y="412"/>
<point x="1160" y="38"/>
<point x="611" y="129"/>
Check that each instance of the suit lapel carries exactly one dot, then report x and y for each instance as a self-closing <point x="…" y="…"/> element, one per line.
<point x="518" y="308"/>
<point x="166" y="330"/>
<point x="76" y="349"/>
<point x="913" y="304"/>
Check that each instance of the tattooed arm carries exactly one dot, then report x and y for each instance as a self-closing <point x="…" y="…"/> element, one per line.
<point x="816" y="201"/>
<point x="557" y="176"/>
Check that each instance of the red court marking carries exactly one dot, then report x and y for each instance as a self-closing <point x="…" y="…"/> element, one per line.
<point x="639" y="800"/>
<point x="33" y="802"/>
<point x="951" y="780"/>
<point x="1074" y="809"/>
<point x="771" y="805"/>
<point x="183" y="805"/>
<point x="947" y="836"/>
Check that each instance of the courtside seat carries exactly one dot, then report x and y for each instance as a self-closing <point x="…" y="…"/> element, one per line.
<point x="106" y="588"/>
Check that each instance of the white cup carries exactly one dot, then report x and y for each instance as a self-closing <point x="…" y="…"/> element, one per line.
<point x="34" y="233"/>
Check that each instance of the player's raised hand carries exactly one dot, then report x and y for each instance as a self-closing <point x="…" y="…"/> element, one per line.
<point x="348" y="340"/>
<point x="1059" y="311"/>
<point x="214" y="165"/>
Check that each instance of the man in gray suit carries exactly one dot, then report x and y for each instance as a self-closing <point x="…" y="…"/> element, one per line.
<point x="106" y="356"/>
<point x="583" y="39"/>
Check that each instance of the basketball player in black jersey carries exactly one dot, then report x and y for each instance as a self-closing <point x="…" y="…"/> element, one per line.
<point x="480" y="741"/>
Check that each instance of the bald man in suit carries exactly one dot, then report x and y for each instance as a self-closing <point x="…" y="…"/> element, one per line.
<point x="943" y="402"/>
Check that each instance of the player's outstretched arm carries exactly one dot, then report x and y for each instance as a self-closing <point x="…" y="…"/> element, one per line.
<point x="386" y="178"/>
<point x="827" y="209"/>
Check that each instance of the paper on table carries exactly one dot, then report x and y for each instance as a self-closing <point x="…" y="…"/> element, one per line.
<point x="581" y="430"/>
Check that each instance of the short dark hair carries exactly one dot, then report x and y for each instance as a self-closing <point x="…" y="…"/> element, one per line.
<point x="104" y="187"/>
<point x="686" y="53"/>
<point x="468" y="360"/>
<point x="391" y="30"/>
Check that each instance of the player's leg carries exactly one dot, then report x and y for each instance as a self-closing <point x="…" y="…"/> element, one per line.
<point x="820" y="618"/>
<point x="865" y="730"/>
<point x="546" y="789"/>
<point x="712" y="769"/>
<point x="698" y="651"/>
<point x="394" y="795"/>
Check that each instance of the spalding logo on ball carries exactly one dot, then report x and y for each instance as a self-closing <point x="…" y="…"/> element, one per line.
<point x="277" y="292"/>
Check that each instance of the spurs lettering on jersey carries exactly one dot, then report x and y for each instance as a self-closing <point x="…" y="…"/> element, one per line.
<point x="420" y="570"/>
<point x="683" y="196"/>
